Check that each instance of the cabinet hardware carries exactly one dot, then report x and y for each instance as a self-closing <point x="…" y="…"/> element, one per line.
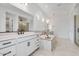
<point x="7" y="53"/>
<point x="78" y="30"/>
<point x="6" y="43"/>
<point x="37" y="39"/>
<point x="28" y="44"/>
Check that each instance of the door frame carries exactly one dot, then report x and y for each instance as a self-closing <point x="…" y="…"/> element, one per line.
<point x="75" y="30"/>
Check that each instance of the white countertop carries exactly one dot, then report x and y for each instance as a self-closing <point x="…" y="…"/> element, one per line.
<point x="6" y="36"/>
<point x="44" y="37"/>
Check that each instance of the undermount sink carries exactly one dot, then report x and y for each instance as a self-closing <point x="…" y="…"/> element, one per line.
<point x="49" y="37"/>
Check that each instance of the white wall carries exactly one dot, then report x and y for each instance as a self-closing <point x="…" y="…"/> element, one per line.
<point x="64" y="25"/>
<point x="38" y="25"/>
<point x="2" y="20"/>
<point x="61" y="23"/>
<point x="36" y="11"/>
<point x="71" y="28"/>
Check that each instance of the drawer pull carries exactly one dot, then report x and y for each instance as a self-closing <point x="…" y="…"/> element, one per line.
<point x="6" y="43"/>
<point x="37" y="39"/>
<point x="28" y="44"/>
<point x="7" y="53"/>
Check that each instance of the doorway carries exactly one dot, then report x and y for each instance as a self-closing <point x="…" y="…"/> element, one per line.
<point x="76" y="29"/>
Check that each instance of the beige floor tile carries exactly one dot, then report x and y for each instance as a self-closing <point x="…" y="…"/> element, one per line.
<point x="64" y="47"/>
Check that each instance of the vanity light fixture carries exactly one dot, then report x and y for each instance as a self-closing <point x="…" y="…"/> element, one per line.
<point x="50" y="27"/>
<point x="37" y="17"/>
<point x="43" y="19"/>
<point x="47" y="21"/>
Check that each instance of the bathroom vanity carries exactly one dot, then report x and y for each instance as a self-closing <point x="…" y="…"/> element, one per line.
<point x="47" y="43"/>
<point x="12" y="44"/>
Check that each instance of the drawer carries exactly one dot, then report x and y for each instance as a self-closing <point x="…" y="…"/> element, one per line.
<point x="10" y="51"/>
<point x="26" y="38"/>
<point x="20" y="39"/>
<point x="7" y="43"/>
<point x="30" y="37"/>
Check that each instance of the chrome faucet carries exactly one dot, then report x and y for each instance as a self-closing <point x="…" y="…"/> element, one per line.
<point x="20" y="31"/>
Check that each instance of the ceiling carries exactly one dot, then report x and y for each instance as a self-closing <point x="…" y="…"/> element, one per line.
<point x="50" y="9"/>
<point x="53" y="8"/>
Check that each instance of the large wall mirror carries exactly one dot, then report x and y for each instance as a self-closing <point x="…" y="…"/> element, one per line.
<point x="23" y="24"/>
<point x="9" y="22"/>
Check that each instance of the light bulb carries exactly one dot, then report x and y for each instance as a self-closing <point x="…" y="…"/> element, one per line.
<point x="50" y="27"/>
<point x="43" y="20"/>
<point x="47" y="21"/>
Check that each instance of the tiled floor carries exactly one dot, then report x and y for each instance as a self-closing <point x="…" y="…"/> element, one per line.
<point x="64" y="47"/>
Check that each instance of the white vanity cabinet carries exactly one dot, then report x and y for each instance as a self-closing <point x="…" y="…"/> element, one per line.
<point x="8" y="48"/>
<point x="47" y="43"/>
<point x="22" y="45"/>
<point x="27" y="46"/>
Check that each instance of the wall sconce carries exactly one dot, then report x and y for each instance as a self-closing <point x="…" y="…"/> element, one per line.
<point x="47" y="21"/>
<point x="37" y="16"/>
<point x="43" y="19"/>
<point x="50" y="27"/>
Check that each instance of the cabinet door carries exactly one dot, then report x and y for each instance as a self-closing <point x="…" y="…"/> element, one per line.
<point x="30" y="46"/>
<point x="21" y="49"/>
<point x="33" y="46"/>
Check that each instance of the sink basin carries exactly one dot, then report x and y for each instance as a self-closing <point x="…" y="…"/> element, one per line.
<point x="47" y="38"/>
